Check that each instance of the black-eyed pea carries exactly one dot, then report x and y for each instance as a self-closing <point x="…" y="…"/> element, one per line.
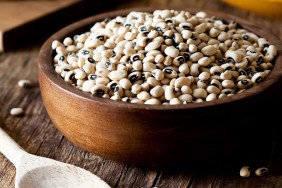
<point x="216" y="70"/>
<point x="228" y="67"/>
<point x="242" y="64"/>
<point x="235" y="74"/>
<point x="99" y="89"/>
<point x="258" y="77"/>
<point x="134" y="76"/>
<point x="125" y="99"/>
<point x="157" y="91"/>
<point x="69" y="76"/>
<point x="129" y="51"/>
<point x="216" y="82"/>
<point x="202" y="84"/>
<point x="261" y="171"/>
<point x="136" y="88"/>
<point x="118" y="91"/>
<point x="177" y="37"/>
<point x="193" y="40"/>
<point x="178" y="61"/>
<point x="228" y="91"/>
<point x="194" y="69"/>
<point x="271" y="50"/>
<point x="233" y="56"/>
<point x="244" y="83"/>
<point x="169" y="72"/>
<point x="172" y="82"/>
<point x="200" y="93"/>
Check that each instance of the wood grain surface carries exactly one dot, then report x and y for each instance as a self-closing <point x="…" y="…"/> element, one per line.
<point x="35" y="132"/>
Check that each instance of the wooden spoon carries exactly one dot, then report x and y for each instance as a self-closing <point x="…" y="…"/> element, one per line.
<point x="40" y="172"/>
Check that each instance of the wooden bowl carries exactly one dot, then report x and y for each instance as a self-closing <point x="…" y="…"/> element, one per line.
<point x="156" y="135"/>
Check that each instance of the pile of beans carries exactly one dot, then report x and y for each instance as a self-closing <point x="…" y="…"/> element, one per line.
<point x="165" y="57"/>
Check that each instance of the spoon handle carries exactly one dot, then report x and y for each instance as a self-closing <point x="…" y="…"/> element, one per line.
<point x="10" y="148"/>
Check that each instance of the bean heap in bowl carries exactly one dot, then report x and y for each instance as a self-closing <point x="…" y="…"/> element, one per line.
<point x="165" y="57"/>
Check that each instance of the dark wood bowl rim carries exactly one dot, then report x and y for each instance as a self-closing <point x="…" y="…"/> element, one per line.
<point x="45" y="62"/>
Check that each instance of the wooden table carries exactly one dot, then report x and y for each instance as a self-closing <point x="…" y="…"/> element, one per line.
<point x="36" y="134"/>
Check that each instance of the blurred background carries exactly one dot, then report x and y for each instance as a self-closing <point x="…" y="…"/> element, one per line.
<point x="25" y="21"/>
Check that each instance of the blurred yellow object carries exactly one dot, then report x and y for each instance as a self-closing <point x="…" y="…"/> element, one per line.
<point x="269" y="8"/>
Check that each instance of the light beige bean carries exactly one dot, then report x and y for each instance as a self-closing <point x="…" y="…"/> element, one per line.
<point x="182" y="81"/>
<point x="143" y="95"/>
<point x="245" y="171"/>
<point x="204" y="61"/>
<point x="117" y="75"/>
<point x="200" y="93"/>
<point x="24" y="83"/>
<point x="175" y="101"/>
<point x="211" y="97"/>
<point x="16" y="111"/>
<point x="171" y="51"/>
<point x="186" y="97"/>
<point x="196" y="56"/>
<point x="157" y="91"/>
<point x="169" y="93"/>
<point x="86" y="86"/>
<point x="209" y="50"/>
